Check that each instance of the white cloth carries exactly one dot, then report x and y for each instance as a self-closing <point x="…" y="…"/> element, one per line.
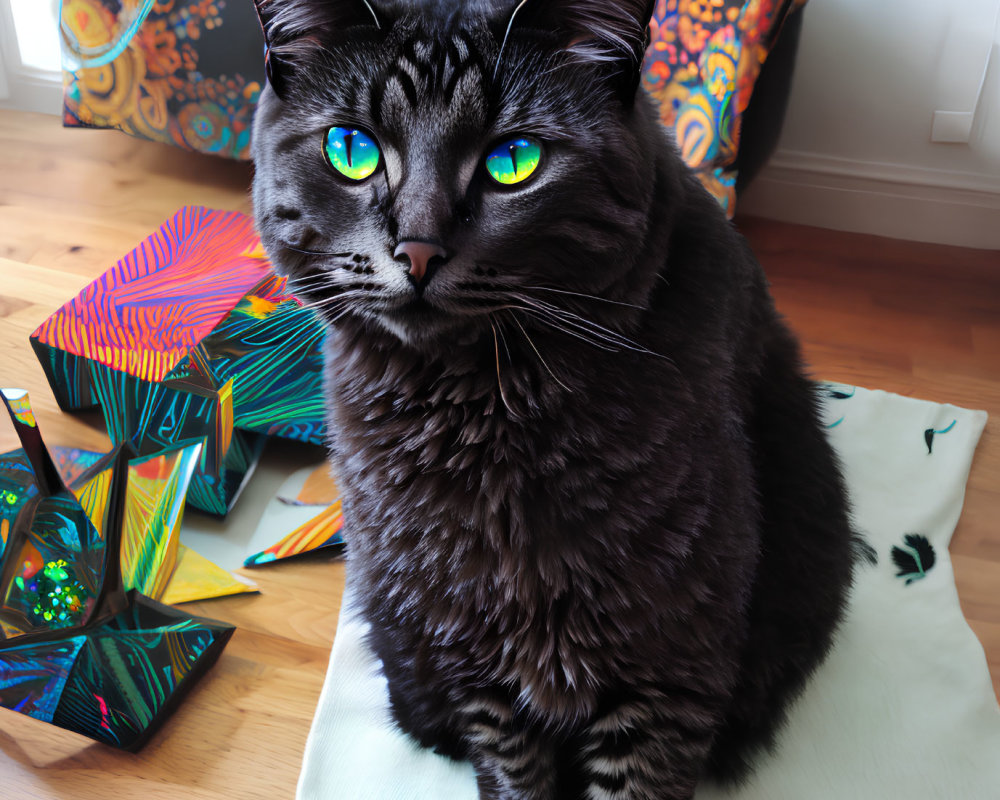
<point x="903" y="709"/>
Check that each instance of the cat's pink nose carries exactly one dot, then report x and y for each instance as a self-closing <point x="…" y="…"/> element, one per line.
<point x="423" y="258"/>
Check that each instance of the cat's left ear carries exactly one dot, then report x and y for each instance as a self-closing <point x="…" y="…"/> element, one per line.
<point x="613" y="32"/>
<point x="295" y="28"/>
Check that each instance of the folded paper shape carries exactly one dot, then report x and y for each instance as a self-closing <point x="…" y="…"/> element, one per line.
<point x="181" y="575"/>
<point x="80" y="647"/>
<point x="116" y="681"/>
<point x="191" y="335"/>
<point x="197" y="578"/>
<point x="307" y="508"/>
<point x="322" y="530"/>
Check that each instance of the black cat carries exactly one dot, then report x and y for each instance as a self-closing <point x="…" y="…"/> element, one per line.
<point x="593" y="519"/>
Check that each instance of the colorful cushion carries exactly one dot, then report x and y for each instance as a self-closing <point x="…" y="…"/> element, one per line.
<point x="189" y="72"/>
<point x="184" y="72"/>
<point x="703" y="60"/>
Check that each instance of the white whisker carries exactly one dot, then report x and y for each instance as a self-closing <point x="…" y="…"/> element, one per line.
<point x="588" y="326"/>
<point x="546" y="320"/>
<point x="496" y="350"/>
<point x="287" y="246"/>
<point x="542" y="360"/>
<point x="586" y="296"/>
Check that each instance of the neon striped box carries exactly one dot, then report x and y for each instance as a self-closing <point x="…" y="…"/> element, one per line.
<point x="191" y="335"/>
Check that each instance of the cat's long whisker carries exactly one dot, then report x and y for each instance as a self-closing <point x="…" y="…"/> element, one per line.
<point x="510" y="358"/>
<point x="496" y="350"/>
<point x="586" y="296"/>
<point x="311" y="282"/>
<point x="544" y="315"/>
<point x="301" y="289"/>
<point x="287" y="246"/>
<point x="540" y="359"/>
<point x="584" y="334"/>
<point x="341" y="291"/>
<point x="313" y="301"/>
<point x="589" y="326"/>
<point x="557" y="324"/>
<point x="336" y="303"/>
<point x="602" y="332"/>
<point x="318" y="277"/>
<point x="319" y="302"/>
<point x="545" y="320"/>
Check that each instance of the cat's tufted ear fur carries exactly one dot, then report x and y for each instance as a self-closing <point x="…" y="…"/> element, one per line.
<point x="608" y="31"/>
<point x="294" y="28"/>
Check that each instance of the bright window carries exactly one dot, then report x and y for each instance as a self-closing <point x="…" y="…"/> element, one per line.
<point x="36" y="25"/>
<point x="30" y="76"/>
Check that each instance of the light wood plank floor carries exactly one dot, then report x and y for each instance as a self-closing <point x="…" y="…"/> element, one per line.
<point x="911" y="318"/>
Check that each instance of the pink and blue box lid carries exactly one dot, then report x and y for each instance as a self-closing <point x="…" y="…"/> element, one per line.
<point x="189" y="336"/>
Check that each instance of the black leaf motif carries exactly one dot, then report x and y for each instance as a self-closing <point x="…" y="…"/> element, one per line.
<point x="929" y="435"/>
<point x="916" y="560"/>
<point x="839" y="394"/>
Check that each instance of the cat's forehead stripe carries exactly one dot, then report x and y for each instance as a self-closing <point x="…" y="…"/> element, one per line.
<point x="426" y="71"/>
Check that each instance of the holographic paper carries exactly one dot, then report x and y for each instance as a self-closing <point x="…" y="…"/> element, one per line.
<point x="171" y="573"/>
<point x="33" y="676"/>
<point x="191" y="336"/>
<point x="54" y="557"/>
<point x="78" y="647"/>
<point x="154" y="503"/>
<point x="132" y="670"/>
<point x="197" y="578"/>
<point x="145" y="314"/>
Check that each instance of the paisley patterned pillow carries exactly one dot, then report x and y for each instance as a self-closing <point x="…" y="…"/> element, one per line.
<point x="184" y="72"/>
<point x="702" y="63"/>
<point x="188" y="72"/>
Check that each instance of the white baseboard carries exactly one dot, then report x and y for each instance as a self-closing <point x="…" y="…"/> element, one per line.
<point x="893" y="200"/>
<point x="41" y="92"/>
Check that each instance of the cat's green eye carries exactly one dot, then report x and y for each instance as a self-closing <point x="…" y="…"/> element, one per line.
<point x="514" y="160"/>
<point x="352" y="152"/>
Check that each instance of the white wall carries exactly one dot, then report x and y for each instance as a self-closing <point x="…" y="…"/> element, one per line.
<point x="856" y="151"/>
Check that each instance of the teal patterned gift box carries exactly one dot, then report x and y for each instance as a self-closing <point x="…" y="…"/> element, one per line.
<point x="190" y="336"/>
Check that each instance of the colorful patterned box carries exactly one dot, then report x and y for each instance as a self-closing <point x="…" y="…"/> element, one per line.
<point x="81" y="647"/>
<point x="191" y="335"/>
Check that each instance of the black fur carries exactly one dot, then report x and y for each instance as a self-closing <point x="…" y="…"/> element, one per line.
<point x="593" y="518"/>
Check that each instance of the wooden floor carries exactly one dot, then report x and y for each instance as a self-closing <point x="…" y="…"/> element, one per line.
<point x="911" y="318"/>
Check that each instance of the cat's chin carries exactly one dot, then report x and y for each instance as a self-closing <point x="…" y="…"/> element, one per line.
<point x="419" y="324"/>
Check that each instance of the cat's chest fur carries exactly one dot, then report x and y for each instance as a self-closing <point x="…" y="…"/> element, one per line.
<point x="499" y="542"/>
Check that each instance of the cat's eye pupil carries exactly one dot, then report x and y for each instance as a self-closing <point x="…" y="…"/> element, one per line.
<point x="352" y="152"/>
<point x="514" y="160"/>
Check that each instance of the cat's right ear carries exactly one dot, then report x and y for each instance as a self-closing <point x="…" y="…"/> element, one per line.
<point x="294" y="29"/>
<point x="614" y="33"/>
